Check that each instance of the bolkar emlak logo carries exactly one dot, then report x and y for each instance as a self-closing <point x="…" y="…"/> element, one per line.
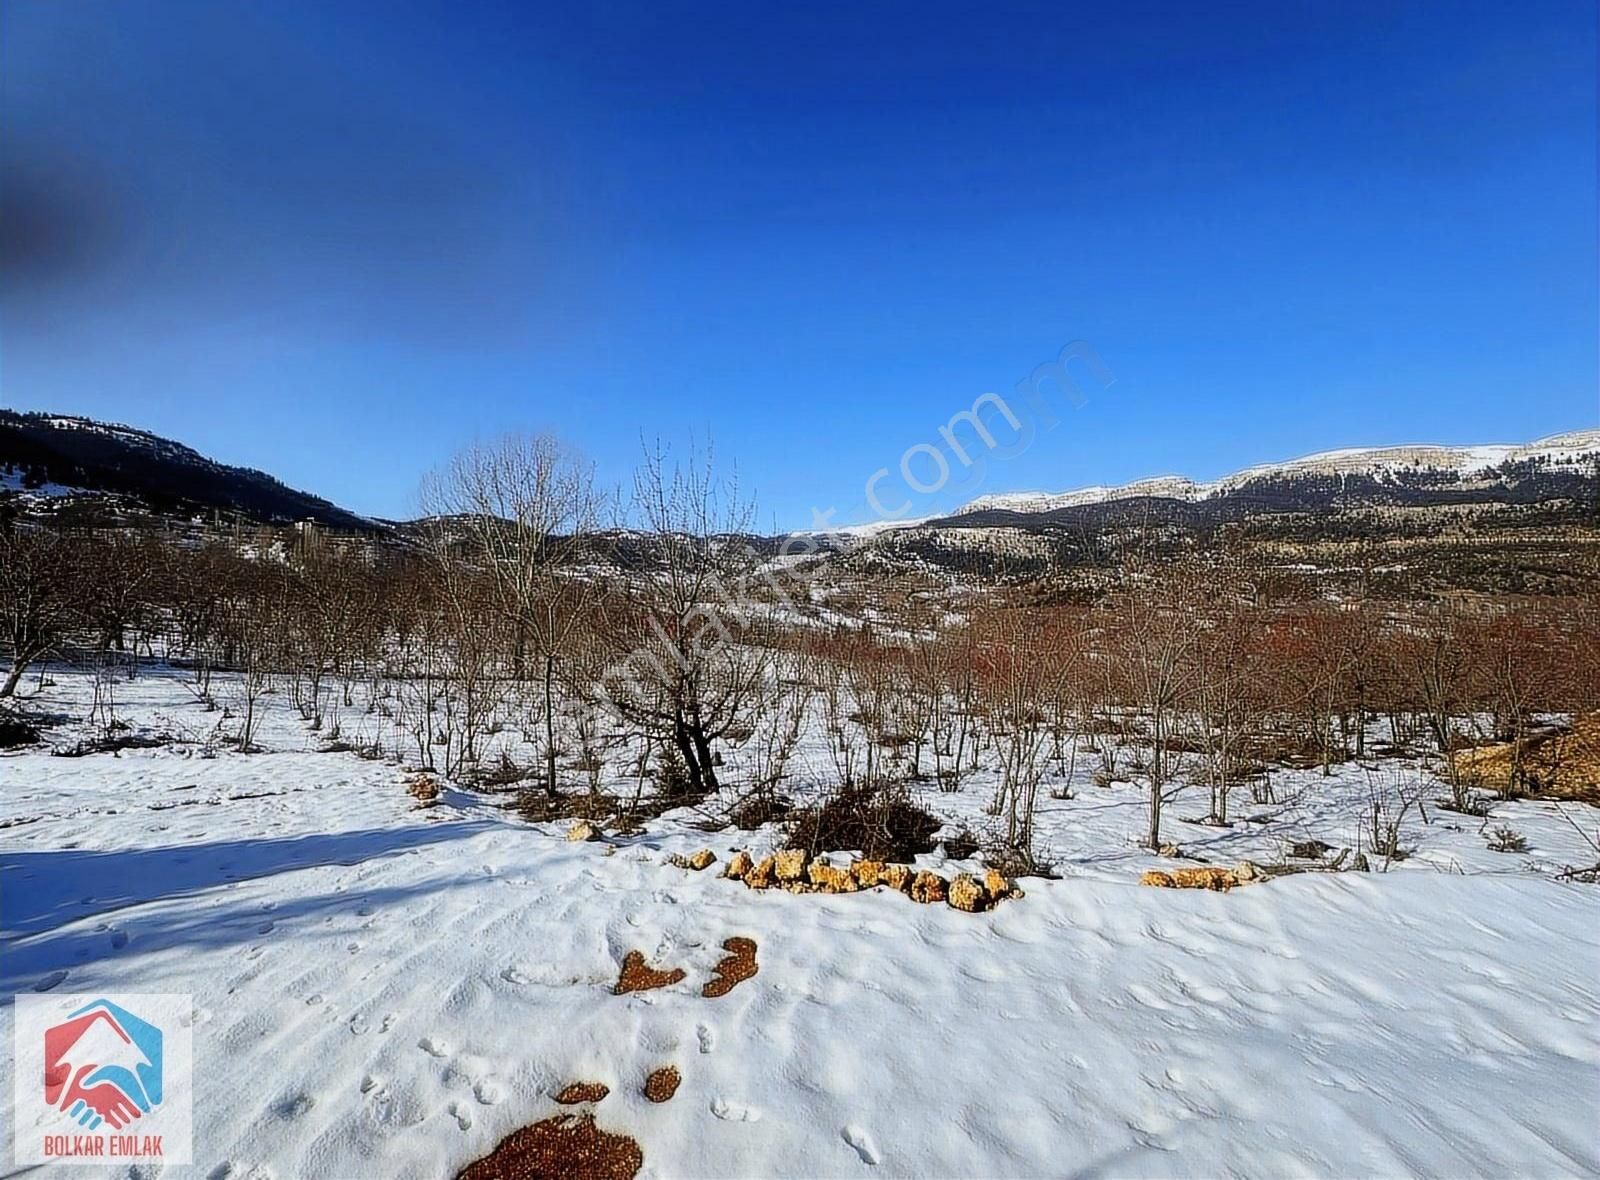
<point x="103" y="1079"/>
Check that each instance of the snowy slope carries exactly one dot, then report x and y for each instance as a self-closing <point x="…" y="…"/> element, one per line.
<point x="386" y="992"/>
<point x="1567" y="452"/>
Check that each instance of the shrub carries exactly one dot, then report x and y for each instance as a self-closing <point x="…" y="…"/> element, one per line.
<point x="1011" y="861"/>
<point x="882" y="823"/>
<point x="505" y="773"/>
<point x="763" y="807"/>
<point x="14" y="731"/>
<point x="539" y="806"/>
<point x="1507" y="839"/>
<point x="962" y="846"/>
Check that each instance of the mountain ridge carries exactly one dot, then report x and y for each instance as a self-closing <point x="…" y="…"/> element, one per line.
<point x="1566" y="451"/>
<point x="50" y="462"/>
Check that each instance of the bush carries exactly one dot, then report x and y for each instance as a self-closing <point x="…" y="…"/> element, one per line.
<point x="672" y="773"/>
<point x="539" y="806"/>
<point x="962" y="846"/>
<point x="14" y="731"/>
<point x="505" y="773"/>
<point x="1507" y="839"/>
<point x="881" y="823"/>
<point x="763" y="807"/>
<point x="1011" y="861"/>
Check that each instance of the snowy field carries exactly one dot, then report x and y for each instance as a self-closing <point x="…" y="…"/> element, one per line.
<point x="386" y="991"/>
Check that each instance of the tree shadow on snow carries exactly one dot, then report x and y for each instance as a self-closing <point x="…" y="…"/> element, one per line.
<point x="41" y="891"/>
<point x="114" y="955"/>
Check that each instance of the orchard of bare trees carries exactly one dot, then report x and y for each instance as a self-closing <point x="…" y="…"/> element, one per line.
<point x="607" y="655"/>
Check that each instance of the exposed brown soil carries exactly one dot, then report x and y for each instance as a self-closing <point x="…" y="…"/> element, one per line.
<point x="583" y="1092"/>
<point x="662" y="1084"/>
<point x="739" y="966"/>
<point x="566" y="1147"/>
<point x="637" y="977"/>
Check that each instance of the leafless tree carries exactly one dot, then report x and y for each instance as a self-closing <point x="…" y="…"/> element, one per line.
<point x="684" y="667"/>
<point x="1151" y="621"/>
<point x="39" y="597"/>
<point x="524" y="510"/>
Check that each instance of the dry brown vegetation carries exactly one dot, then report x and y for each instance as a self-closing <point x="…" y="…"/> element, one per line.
<point x="517" y="646"/>
<point x="662" y="1084"/>
<point x="1560" y="763"/>
<point x="638" y="976"/>
<point x="738" y="966"/>
<point x="565" y="1147"/>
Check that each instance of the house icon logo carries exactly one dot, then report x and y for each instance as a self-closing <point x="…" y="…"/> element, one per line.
<point x="103" y="1079"/>
<point x="102" y="1065"/>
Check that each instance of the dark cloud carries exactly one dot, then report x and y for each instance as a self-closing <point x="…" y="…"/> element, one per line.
<point x="58" y="219"/>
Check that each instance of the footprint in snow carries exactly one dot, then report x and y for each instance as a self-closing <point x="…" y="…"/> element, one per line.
<point x="358" y="1025"/>
<point x="119" y="939"/>
<point x="370" y="1083"/>
<point x="295" y="1106"/>
<point x="858" y="1138"/>
<point x="233" y="1171"/>
<point x="487" y="1091"/>
<point x="433" y="1048"/>
<point x="734" y="1112"/>
<point x="707" y="1036"/>
<point x="52" y="981"/>
<point x="388" y="1023"/>
<point x="462" y="1115"/>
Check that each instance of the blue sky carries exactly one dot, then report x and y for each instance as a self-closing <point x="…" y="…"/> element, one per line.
<point x="339" y="240"/>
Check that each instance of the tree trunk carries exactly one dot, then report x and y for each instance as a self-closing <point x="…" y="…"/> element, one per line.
<point x="549" y="726"/>
<point x="9" y="688"/>
<point x="686" y="750"/>
<point x="708" y="772"/>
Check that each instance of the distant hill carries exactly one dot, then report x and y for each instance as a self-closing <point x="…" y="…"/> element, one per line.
<point x="1522" y="518"/>
<point x="53" y="464"/>
<point x="1375" y="476"/>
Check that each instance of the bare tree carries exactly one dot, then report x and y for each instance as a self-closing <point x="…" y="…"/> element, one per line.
<point x="683" y="667"/>
<point x="1154" y="638"/>
<point x="1225" y="656"/>
<point x="524" y="510"/>
<point x="38" y="595"/>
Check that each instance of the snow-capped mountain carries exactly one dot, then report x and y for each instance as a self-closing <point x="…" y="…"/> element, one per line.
<point x="1575" y="452"/>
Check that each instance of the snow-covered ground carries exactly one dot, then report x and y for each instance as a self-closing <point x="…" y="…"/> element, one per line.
<point x="387" y="991"/>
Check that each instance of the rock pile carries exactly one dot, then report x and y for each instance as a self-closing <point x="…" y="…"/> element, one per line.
<point x="695" y="861"/>
<point x="789" y="870"/>
<point x="1201" y="878"/>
